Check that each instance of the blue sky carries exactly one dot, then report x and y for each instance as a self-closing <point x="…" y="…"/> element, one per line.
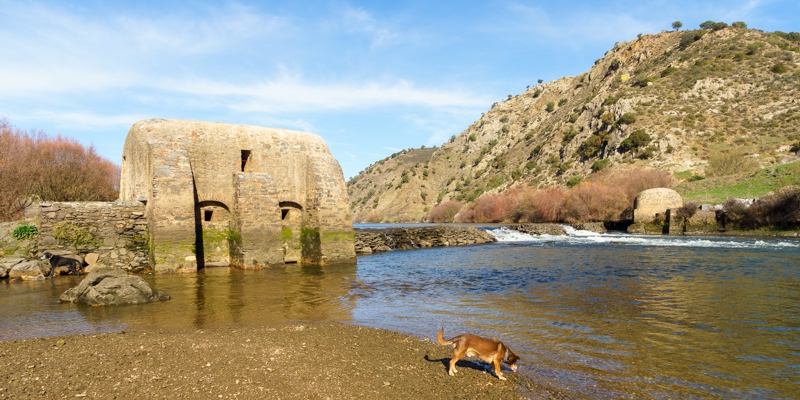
<point x="370" y="78"/>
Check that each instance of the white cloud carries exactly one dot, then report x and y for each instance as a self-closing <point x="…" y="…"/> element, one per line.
<point x="360" y="21"/>
<point x="289" y="94"/>
<point x="350" y="155"/>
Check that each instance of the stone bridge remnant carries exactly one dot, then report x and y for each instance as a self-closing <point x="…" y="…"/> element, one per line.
<point x="246" y="196"/>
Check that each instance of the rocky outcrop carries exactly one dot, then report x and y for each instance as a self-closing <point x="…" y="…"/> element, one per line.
<point x="111" y="287"/>
<point x="596" y="227"/>
<point x="539" y="229"/>
<point x="378" y="240"/>
<point x="29" y="271"/>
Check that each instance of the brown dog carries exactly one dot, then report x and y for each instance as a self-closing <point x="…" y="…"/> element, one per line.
<point x="491" y="351"/>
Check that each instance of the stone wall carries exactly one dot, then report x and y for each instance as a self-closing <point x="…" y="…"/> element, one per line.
<point x="376" y="240"/>
<point x="115" y="231"/>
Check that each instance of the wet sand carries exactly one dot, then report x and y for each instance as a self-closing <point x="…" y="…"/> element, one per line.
<point x="301" y="361"/>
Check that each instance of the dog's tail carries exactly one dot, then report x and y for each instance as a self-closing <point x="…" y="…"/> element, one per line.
<point x="441" y="339"/>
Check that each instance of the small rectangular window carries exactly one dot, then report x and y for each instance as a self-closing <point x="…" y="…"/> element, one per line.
<point x="207" y="215"/>
<point x="245" y="158"/>
<point x="284" y="213"/>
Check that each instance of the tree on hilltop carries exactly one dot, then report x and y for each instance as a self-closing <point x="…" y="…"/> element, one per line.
<point x="677" y="25"/>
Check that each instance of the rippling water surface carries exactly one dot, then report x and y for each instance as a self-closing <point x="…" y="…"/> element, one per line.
<point x="591" y="315"/>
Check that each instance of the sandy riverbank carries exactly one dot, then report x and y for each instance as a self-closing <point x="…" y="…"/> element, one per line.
<point x="304" y="361"/>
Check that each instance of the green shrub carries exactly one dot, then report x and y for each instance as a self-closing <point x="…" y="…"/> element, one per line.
<point x="574" y="180"/>
<point x="551" y="106"/>
<point x="536" y="150"/>
<point x="753" y="48"/>
<point x="24" y="231"/>
<point x="779" y="68"/>
<point x="607" y="118"/>
<point x="690" y="37"/>
<point x="569" y="134"/>
<point x="562" y="102"/>
<point x="707" y="24"/>
<point x="530" y="165"/>
<point x="739" y="24"/>
<point x="668" y="71"/>
<point x="593" y="143"/>
<point x="791" y="36"/>
<point x="637" y="139"/>
<point x="537" y="92"/>
<point x="614" y="65"/>
<point x="573" y="117"/>
<point x="472" y="137"/>
<point x="696" y="177"/>
<point x="646" y="81"/>
<point x="599" y="165"/>
<point x="529" y="135"/>
<point x="516" y="174"/>
<point x="719" y="26"/>
<point x="504" y="128"/>
<point x="504" y="119"/>
<point x="627" y="118"/>
<point x="677" y="25"/>
<point x="647" y="153"/>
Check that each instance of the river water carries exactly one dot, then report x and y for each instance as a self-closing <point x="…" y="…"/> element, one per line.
<point x="592" y="316"/>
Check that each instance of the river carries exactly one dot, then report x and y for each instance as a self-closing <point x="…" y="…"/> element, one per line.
<point x="608" y="316"/>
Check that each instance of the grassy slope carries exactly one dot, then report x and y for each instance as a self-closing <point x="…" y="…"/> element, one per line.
<point x="718" y="190"/>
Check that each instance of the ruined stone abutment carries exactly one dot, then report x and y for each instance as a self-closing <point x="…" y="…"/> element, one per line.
<point x="247" y="196"/>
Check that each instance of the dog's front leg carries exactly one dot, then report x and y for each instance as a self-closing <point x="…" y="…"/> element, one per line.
<point x="497" y="372"/>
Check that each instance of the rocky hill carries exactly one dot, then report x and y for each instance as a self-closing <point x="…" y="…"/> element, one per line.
<point x="670" y="101"/>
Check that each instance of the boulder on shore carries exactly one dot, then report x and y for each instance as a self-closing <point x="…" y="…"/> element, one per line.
<point x="112" y="287"/>
<point x="29" y="271"/>
<point x="7" y="263"/>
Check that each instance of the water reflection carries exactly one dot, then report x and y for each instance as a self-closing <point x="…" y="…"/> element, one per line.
<point x="212" y="297"/>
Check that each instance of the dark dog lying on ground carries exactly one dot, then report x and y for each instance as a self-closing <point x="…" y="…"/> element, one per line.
<point x="491" y="351"/>
<point x="59" y="261"/>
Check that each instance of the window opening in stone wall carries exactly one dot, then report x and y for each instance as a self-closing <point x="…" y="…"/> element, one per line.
<point x="245" y="158"/>
<point x="284" y="213"/>
<point x="207" y="215"/>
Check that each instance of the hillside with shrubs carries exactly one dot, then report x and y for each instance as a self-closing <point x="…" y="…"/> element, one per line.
<point x="677" y="108"/>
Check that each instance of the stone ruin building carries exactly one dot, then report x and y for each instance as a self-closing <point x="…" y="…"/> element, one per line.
<point x="219" y="194"/>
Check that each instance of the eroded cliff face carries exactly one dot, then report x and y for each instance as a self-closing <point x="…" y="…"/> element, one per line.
<point x="666" y="101"/>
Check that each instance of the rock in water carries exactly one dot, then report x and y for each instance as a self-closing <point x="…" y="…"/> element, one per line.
<point x="29" y="271"/>
<point x="112" y="287"/>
